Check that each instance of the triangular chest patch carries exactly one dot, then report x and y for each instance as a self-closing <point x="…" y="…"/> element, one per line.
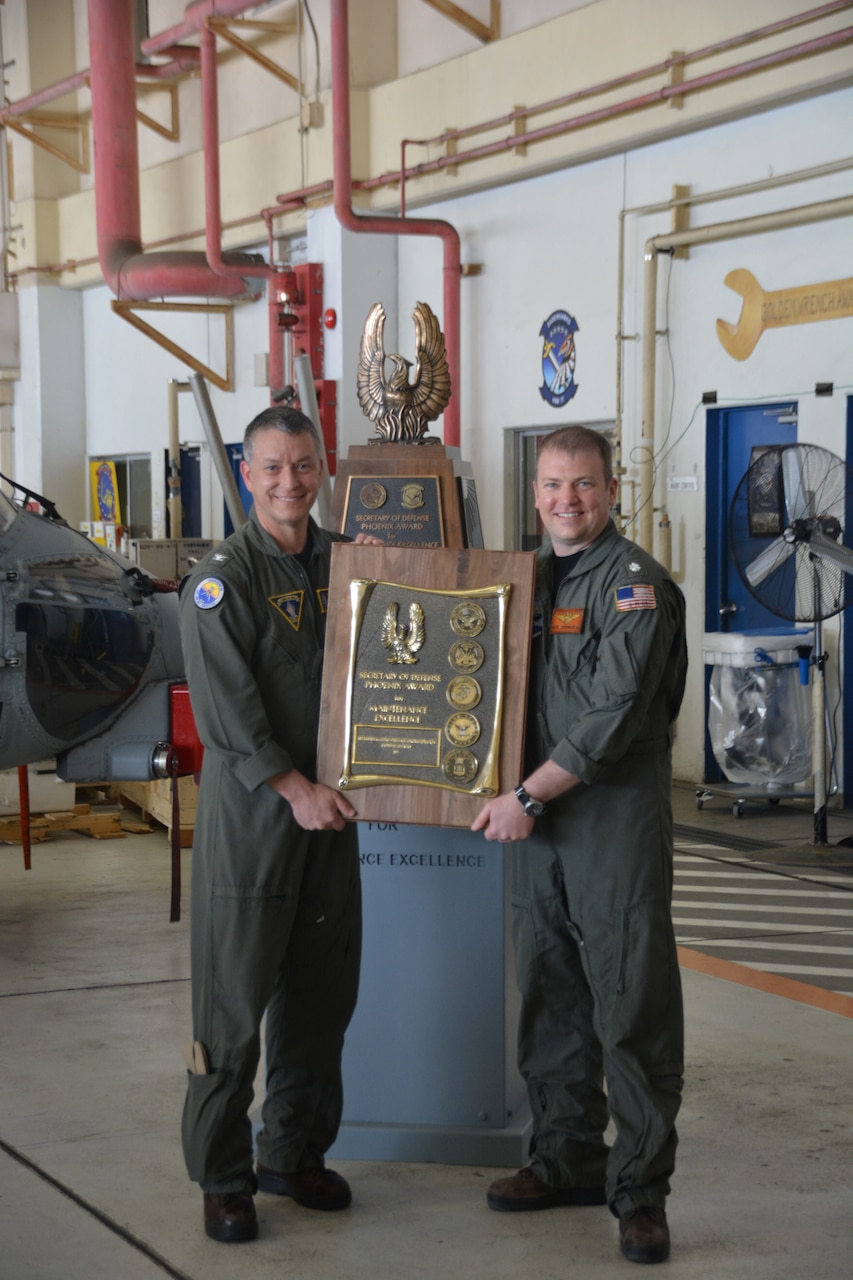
<point x="289" y="605"/>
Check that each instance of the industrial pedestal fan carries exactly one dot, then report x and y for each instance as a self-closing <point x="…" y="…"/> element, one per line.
<point x="791" y="527"/>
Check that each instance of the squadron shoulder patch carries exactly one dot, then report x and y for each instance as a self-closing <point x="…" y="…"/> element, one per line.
<point x="208" y="593"/>
<point x="322" y="594"/>
<point x="289" y="606"/>
<point x="636" y="596"/>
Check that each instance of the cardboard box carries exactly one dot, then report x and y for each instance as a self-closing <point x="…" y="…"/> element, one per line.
<point x="189" y="551"/>
<point x="48" y="794"/>
<point x="157" y="555"/>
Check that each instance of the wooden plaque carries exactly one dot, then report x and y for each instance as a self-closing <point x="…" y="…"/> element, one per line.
<point x="425" y="680"/>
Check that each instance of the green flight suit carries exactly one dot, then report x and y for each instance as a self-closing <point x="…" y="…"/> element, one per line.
<point x="592" y="888"/>
<point x="276" y="910"/>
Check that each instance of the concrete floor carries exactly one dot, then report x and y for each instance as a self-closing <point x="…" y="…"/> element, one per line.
<point x="94" y="997"/>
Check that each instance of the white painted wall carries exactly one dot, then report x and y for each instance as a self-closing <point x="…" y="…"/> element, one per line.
<point x="546" y="244"/>
<point x="553" y="243"/>
<point x="49" y="415"/>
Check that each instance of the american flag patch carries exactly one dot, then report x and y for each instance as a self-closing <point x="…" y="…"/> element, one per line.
<point x="635" y="597"/>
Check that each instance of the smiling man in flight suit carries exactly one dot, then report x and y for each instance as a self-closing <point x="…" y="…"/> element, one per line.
<point x="591" y="825"/>
<point x="276" y="906"/>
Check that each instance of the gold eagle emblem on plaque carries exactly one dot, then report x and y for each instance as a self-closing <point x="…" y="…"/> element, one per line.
<point x="402" y="409"/>
<point x="403" y="640"/>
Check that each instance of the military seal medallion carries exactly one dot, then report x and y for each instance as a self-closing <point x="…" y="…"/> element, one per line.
<point x="466" y="655"/>
<point x="462" y="729"/>
<point x="373" y="496"/>
<point x="468" y="618"/>
<point x="460" y="765"/>
<point x="464" y="692"/>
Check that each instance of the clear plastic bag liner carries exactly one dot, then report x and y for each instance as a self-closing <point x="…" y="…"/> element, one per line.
<point x="759" y="722"/>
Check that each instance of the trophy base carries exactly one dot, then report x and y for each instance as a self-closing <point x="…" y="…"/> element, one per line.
<point x="435" y="1144"/>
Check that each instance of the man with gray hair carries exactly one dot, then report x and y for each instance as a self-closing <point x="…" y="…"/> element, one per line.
<point x="276" y="906"/>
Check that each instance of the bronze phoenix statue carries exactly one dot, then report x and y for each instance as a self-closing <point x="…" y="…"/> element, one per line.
<point x="401" y="640"/>
<point x="402" y="409"/>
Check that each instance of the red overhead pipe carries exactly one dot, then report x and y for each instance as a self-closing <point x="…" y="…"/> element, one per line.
<point x="631" y="77"/>
<point x="128" y="271"/>
<point x="282" y="283"/>
<point x="195" y="20"/>
<point x="232" y="265"/>
<point x="42" y="96"/>
<point x="712" y="78"/>
<point x="391" y="226"/>
<point x="183" y="58"/>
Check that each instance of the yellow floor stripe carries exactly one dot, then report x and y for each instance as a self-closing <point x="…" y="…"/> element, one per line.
<point x="731" y="971"/>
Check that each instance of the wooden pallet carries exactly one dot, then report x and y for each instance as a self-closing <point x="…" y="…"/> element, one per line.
<point x="100" y="824"/>
<point x="154" y="801"/>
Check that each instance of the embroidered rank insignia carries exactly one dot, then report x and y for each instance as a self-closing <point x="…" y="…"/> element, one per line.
<point x="289" y="606"/>
<point x="537" y="621"/>
<point x="208" y="593"/>
<point x="635" y="597"/>
<point x="322" y="594"/>
<point x="567" y="622"/>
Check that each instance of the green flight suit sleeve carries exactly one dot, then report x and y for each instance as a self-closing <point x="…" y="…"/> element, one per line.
<point x="227" y="702"/>
<point x="626" y="695"/>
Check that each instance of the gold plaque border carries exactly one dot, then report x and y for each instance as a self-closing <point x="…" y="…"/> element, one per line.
<point x="361" y="590"/>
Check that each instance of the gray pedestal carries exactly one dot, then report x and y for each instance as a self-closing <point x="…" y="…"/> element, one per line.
<point x="429" y="1060"/>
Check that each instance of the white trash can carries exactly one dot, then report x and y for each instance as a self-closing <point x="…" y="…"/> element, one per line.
<point x="759" y="712"/>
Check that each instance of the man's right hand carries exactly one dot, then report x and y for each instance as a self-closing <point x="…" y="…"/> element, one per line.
<point x="315" y="806"/>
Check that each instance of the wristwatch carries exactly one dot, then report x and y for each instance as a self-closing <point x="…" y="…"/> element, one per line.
<point x="533" y="808"/>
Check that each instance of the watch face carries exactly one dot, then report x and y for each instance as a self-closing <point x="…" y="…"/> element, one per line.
<point x="532" y="808"/>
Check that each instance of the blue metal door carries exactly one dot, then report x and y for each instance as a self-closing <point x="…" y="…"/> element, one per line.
<point x="732" y="435"/>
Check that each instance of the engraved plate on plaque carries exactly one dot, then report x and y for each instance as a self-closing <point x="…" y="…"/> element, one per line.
<point x="404" y="511"/>
<point x="409" y="711"/>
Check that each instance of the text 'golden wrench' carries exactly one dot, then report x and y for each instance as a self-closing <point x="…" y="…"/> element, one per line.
<point x="760" y="311"/>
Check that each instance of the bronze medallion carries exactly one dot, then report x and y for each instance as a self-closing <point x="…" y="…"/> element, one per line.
<point x="462" y="729"/>
<point x="468" y="618"/>
<point x="373" y="495"/>
<point x="464" y="692"/>
<point x="412" y="496"/>
<point x="460" y="765"/>
<point x="466" y="655"/>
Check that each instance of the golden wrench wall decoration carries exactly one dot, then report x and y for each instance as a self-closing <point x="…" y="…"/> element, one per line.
<point x="760" y="311"/>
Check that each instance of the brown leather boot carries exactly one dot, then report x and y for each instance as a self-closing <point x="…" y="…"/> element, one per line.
<point x="317" y="1188"/>
<point x="526" y="1191"/>
<point x="644" y="1235"/>
<point x="230" y="1218"/>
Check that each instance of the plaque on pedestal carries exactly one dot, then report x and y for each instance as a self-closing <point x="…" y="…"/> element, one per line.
<point x="407" y="495"/>
<point x="425" y="680"/>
